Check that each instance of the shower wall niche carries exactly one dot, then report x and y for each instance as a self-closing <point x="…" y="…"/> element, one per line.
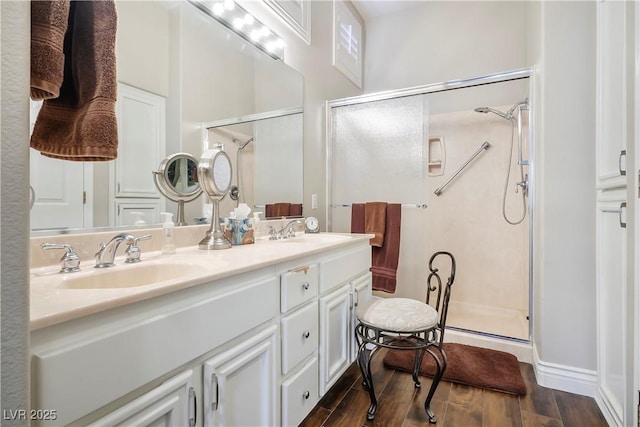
<point x="383" y="148"/>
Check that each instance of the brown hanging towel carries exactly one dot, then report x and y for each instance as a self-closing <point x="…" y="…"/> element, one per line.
<point x="80" y="123"/>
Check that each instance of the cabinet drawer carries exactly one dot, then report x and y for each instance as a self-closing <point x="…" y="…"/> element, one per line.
<point x="345" y="265"/>
<point x="299" y="336"/>
<point x="300" y="394"/>
<point x="298" y="286"/>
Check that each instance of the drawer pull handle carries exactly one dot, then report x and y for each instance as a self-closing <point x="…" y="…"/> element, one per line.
<point x="306" y="395"/>
<point x="305" y="286"/>
<point x="306" y="334"/>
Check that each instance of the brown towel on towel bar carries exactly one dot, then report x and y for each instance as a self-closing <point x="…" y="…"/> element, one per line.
<point x="48" y="26"/>
<point x="384" y="260"/>
<point x="375" y="216"/>
<point x="80" y="124"/>
<point x="278" y="210"/>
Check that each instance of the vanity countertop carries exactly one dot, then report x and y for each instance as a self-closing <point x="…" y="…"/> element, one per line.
<point x="55" y="300"/>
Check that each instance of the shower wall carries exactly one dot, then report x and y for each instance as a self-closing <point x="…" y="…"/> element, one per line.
<point x="380" y="153"/>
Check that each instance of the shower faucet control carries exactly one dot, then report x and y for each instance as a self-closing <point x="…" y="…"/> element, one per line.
<point x="524" y="185"/>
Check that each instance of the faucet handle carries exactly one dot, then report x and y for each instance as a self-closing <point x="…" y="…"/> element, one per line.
<point x="273" y="234"/>
<point x="133" y="251"/>
<point x="70" y="261"/>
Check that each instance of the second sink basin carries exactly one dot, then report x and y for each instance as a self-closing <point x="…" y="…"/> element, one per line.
<point x="129" y="276"/>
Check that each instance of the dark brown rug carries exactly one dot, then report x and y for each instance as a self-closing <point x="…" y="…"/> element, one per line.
<point x="468" y="365"/>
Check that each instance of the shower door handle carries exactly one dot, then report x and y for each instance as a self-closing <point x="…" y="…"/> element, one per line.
<point x="623" y="153"/>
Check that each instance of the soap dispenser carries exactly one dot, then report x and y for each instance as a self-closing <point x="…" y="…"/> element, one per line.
<point x="168" y="247"/>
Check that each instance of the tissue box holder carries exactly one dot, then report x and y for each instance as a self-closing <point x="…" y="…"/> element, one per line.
<point x="239" y="231"/>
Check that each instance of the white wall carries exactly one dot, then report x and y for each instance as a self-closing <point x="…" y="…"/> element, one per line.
<point x="437" y="41"/>
<point x="14" y="229"/>
<point x="565" y="136"/>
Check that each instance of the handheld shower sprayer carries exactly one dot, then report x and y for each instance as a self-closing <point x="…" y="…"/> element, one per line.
<point x="506" y="116"/>
<point x="514" y="117"/>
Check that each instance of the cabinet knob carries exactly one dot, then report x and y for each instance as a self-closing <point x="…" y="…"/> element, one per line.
<point x="306" y="334"/>
<point x="305" y="286"/>
<point x="306" y="395"/>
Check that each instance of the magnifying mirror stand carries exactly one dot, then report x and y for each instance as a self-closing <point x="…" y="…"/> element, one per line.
<point x="214" y="238"/>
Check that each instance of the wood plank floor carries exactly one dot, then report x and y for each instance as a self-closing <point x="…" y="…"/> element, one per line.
<point x="400" y="404"/>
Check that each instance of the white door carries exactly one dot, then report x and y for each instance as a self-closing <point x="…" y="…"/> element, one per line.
<point x="240" y="385"/>
<point x="335" y="335"/>
<point x="58" y="189"/>
<point x="141" y="148"/>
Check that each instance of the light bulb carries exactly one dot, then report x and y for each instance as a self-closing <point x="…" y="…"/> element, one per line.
<point x="218" y="9"/>
<point x="238" y="23"/>
<point x="248" y="19"/>
<point x="255" y="35"/>
<point x="229" y="4"/>
<point x="265" y="31"/>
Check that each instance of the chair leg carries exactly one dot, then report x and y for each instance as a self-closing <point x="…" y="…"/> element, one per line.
<point x="364" y="362"/>
<point x="416" y="367"/>
<point x="441" y="365"/>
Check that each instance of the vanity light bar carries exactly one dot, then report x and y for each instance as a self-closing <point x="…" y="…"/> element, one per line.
<point x="233" y="16"/>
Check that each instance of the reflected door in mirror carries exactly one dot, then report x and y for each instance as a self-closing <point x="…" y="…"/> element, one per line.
<point x="59" y="189"/>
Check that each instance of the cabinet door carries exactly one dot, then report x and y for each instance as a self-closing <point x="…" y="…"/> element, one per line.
<point x="166" y="405"/>
<point x="239" y="384"/>
<point x="141" y="147"/>
<point x="611" y="312"/>
<point x="361" y="289"/>
<point x="335" y="335"/>
<point x="125" y="210"/>
<point x="611" y="93"/>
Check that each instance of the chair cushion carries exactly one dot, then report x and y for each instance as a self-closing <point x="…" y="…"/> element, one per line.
<point x="397" y="314"/>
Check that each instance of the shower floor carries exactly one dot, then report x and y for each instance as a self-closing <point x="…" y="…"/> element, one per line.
<point x="489" y="320"/>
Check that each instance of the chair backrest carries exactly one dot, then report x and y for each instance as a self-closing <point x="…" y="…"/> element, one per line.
<point x="441" y="293"/>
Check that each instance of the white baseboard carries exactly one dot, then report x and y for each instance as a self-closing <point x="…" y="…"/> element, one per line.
<point x="574" y="380"/>
<point x="565" y="378"/>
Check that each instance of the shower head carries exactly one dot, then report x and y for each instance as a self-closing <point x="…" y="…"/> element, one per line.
<point x="506" y="116"/>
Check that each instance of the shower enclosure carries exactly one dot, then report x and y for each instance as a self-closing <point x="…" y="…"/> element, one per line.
<point x="464" y="180"/>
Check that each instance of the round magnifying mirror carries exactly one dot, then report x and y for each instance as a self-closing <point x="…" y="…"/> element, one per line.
<point x="214" y="175"/>
<point x="177" y="180"/>
<point x="214" y="172"/>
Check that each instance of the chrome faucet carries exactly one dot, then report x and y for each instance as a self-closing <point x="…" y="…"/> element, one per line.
<point x="287" y="231"/>
<point x="107" y="252"/>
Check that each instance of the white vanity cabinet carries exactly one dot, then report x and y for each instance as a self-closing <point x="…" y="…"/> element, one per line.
<point x="341" y="279"/>
<point x="258" y="347"/>
<point x="95" y="365"/>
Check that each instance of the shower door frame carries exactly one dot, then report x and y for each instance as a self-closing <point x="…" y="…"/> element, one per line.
<point x="516" y="74"/>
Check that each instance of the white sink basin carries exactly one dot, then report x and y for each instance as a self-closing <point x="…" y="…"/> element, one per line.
<point x="129" y="276"/>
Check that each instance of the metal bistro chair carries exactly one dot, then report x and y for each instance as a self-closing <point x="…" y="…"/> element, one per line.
<point x="406" y="324"/>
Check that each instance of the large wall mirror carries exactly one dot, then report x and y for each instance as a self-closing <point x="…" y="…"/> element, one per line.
<point x="177" y="69"/>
